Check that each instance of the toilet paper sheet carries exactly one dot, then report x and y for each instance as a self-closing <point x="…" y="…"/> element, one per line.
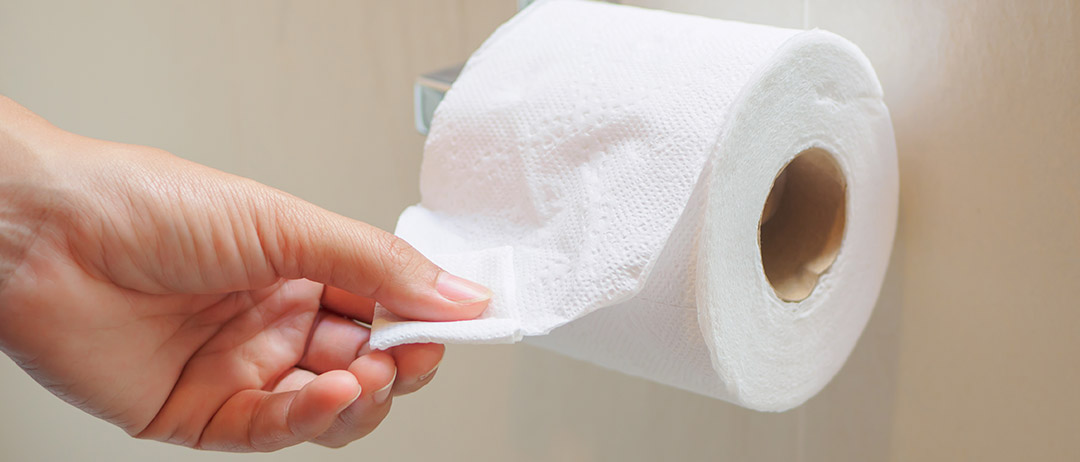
<point x="604" y="170"/>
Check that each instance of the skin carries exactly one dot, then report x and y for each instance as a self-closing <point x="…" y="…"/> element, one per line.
<point x="187" y="305"/>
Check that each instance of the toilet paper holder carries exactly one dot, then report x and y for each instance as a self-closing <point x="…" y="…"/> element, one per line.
<point x="431" y="87"/>
<point x="428" y="92"/>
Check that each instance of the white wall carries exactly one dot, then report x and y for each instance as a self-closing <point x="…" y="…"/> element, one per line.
<point x="972" y="352"/>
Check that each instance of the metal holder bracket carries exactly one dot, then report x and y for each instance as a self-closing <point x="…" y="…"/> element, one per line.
<point x="430" y="88"/>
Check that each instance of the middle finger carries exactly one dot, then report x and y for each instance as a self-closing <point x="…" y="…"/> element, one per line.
<point x="334" y="343"/>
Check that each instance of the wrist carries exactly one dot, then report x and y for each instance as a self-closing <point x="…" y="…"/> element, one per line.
<point x="25" y="185"/>
<point x="25" y="140"/>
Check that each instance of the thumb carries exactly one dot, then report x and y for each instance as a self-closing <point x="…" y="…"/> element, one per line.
<point x="313" y="243"/>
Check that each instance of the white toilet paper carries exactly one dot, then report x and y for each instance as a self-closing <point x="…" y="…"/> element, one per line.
<point x="607" y="171"/>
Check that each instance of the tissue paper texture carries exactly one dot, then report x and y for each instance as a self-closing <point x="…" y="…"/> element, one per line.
<point x="604" y="170"/>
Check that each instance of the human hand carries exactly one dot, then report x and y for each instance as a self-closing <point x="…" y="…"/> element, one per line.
<point x="195" y="307"/>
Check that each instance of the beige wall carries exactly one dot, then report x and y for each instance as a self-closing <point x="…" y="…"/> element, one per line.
<point x="972" y="352"/>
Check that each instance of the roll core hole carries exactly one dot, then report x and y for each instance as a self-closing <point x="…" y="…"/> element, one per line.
<point x="802" y="223"/>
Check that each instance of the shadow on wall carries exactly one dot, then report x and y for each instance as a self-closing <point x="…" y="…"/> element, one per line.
<point x="570" y="410"/>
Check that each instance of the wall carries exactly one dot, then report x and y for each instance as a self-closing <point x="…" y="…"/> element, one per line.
<point x="971" y="353"/>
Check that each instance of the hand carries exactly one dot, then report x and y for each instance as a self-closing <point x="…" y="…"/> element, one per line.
<point x="191" y="306"/>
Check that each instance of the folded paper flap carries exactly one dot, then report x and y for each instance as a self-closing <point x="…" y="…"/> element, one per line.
<point x="500" y="323"/>
<point x="390" y="330"/>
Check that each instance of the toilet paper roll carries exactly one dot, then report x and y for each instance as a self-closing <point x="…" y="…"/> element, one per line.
<point x="704" y="203"/>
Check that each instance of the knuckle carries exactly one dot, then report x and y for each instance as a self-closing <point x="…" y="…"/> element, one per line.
<point x="398" y="256"/>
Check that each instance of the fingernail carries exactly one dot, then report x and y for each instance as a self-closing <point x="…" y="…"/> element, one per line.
<point x="428" y="374"/>
<point x="353" y="400"/>
<point x="383" y="393"/>
<point x="460" y="290"/>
